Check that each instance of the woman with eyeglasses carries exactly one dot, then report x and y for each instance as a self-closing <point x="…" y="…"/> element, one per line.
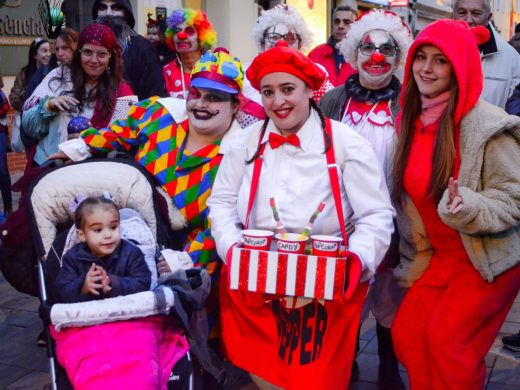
<point x="89" y="88"/>
<point x="189" y="35"/>
<point x="282" y="22"/>
<point x="376" y="45"/>
<point x="456" y="191"/>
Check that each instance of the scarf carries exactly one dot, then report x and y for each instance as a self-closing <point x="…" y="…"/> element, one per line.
<point x="432" y="108"/>
<point x="358" y="92"/>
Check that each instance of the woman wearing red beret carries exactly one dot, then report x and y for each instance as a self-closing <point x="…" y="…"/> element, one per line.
<point x="285" y="342"/>
<point x="456" y="191"/>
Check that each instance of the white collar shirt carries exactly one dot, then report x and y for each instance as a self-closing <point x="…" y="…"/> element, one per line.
<point x="298" y="179"/>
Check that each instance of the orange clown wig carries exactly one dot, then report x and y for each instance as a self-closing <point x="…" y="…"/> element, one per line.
<point x="206" y="33"/>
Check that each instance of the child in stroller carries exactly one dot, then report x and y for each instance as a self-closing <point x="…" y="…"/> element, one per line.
<point x="134" y="344"/>
<point x="103" y="265"/>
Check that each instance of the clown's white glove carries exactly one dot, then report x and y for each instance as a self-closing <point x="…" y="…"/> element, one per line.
<point x="171" y="261"/>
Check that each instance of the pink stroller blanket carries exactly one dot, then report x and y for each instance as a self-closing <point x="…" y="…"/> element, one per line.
<point x="132" y="354"/>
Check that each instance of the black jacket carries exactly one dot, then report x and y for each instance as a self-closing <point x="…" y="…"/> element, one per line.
<point x="142" y="68"/>
<point x="126" y="269"/>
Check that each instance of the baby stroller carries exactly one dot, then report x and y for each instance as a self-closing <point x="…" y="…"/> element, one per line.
<point x="132" y="188"/>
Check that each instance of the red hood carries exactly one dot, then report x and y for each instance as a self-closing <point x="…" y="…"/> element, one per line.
<point x="459" y="43"/>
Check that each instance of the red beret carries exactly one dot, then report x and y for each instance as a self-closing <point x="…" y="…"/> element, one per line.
<point x="282" y="58"/>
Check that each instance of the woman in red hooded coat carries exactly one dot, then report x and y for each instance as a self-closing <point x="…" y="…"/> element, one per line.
<point x="456" y="191"/>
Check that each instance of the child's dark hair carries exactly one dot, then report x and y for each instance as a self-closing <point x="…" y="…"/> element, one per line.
<point x="89" y="205"/>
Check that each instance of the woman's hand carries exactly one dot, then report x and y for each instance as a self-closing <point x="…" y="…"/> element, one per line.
<point x="455" y="200"/>
<point x="62" y="103"/>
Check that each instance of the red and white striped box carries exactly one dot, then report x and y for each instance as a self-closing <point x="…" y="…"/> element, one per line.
<point x="287" y="274"/>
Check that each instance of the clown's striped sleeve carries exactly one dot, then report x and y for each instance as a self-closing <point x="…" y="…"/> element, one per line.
<point x="123" y="134"/>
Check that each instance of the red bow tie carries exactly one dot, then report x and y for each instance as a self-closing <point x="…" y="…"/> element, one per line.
<point x="276" y="140"/>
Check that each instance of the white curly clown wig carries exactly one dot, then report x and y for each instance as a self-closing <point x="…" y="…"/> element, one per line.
<point x="376" y="20"/>
<point x="281" y="14"/>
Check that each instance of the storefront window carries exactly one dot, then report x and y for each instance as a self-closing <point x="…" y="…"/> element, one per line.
<point x="316" y="18"/>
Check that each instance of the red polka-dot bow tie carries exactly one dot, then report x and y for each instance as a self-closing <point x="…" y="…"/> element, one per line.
<point x="276" y="140"/>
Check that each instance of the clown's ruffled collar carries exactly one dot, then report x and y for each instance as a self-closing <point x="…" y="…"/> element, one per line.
<point x="354" y="89"/>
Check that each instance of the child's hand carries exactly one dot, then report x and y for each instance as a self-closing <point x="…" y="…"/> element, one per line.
<point x="93" y="281"/>
<point x="105" y="282"/>
<point x="106" y="285"/>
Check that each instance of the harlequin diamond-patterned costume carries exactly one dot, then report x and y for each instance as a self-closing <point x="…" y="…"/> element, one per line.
<point x="186" y="177"/>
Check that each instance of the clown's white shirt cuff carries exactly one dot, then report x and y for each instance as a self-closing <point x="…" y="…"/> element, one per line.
<point x="76" y="149"/>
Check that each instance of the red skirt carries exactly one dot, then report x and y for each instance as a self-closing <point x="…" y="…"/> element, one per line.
<point x="291" y="343"/>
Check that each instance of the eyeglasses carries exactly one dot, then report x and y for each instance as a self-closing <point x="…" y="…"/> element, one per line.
<point x="385" y="49"/>
<point x="290" y="37"/>
<point x="100" y="55"/>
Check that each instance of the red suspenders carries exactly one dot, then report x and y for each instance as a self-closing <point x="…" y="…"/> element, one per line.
<point x="333" y="174"/>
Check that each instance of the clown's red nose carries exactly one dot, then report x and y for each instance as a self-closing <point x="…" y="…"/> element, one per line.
<point x="377" y="57"/>
<point x="182" y="35"/>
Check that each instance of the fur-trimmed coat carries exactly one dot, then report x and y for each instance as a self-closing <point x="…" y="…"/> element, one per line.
<point x="489" y="184"/>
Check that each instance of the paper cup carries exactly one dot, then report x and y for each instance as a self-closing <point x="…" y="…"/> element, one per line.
<point x="257" y="239"/>
<point x="325" y="245"/>
<point x="290" y="243"/>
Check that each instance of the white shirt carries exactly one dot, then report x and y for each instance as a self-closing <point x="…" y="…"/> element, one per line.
<point x="377" y="127"/>
<point x="298" y="179"/>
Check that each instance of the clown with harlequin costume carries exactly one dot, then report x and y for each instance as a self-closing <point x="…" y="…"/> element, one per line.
<point x="189" y="35"/>
<point x="181" y="143"/>
<point x="376" y="45"/>
<point x="298" y="343"/>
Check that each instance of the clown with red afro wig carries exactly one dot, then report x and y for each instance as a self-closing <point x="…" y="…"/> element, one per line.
<point x="189" y="35"/>
<point x="207" y="36"/>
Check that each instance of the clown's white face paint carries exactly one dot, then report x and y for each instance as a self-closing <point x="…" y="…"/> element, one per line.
<point x="210" y="112"/>
<point x="110" y="8"/>
<point x="185" y="38"/>
<point x="280" y="31"/>
<point x="376" y="69"/>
